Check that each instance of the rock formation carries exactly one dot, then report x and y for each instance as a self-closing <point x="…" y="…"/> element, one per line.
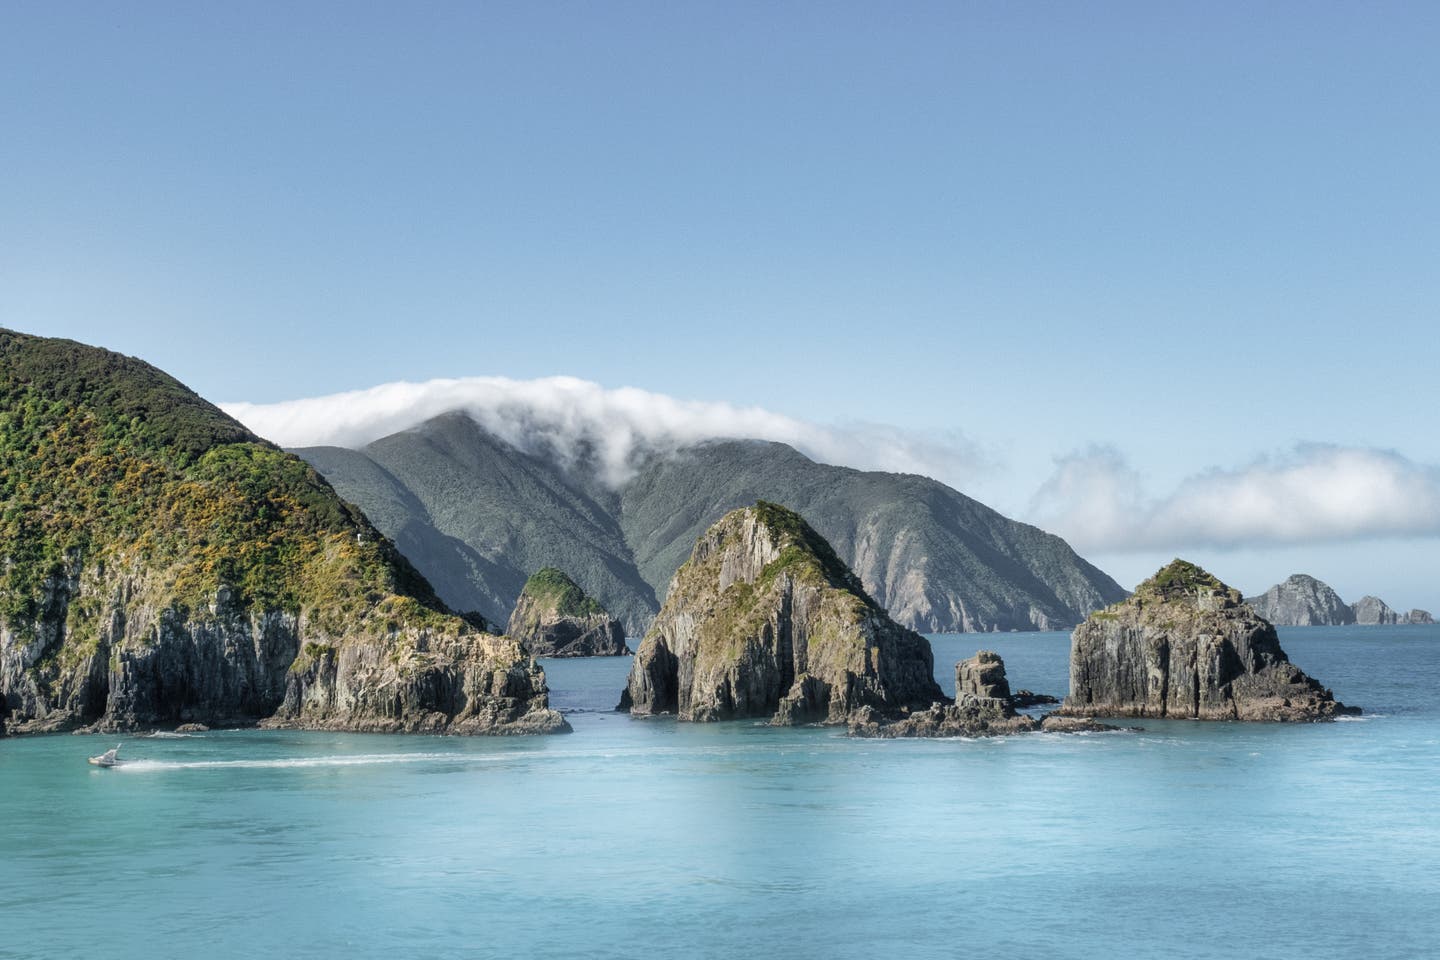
<point x="163" y="565"/>
<point x="554" y="618"/>
<point x="764" y="620"/>
<point x="983" y="707"/>
<point x="1302" y="601"/>
<point x="1372" y="611"/>
<point x="1185" y="645"/>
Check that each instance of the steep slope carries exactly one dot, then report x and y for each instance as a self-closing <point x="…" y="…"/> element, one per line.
<point x="936" y="559"/>
<point x="480" y="515"/>
<point x="1372" y="611"/>
<point x="1302" y="601"/>
<point x="555" y="618"/>
<point x="161" y="564"/>
<point x="764" y="620"/>
<point x="1185" y="646"/>
<point x="474" y="514"/>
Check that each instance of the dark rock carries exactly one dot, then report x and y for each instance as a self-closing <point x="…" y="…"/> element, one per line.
<point x="1185" y="646"/>
<point x="764" y="620"/>
<point x="555" y="618"/>
<point x="1028" y="698"/>
<point x="983" y="707"/>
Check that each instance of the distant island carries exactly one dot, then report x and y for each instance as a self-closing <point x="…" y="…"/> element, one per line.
<point x="1303" y="601"/>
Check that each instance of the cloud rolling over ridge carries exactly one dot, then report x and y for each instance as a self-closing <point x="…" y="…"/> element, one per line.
<point x="573" y="418"/>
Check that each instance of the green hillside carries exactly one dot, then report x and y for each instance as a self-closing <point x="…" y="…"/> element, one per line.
<point x="133" y="512"/>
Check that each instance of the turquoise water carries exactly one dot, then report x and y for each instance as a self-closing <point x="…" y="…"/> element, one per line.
<point x="636" y="838"/>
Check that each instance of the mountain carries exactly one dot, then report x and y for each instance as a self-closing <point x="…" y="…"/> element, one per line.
<point x="1303" y="601"/>
<point x="161" y="564"/>
<point x="475" y="514"/>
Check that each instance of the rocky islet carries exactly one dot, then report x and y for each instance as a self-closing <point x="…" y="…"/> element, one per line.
<point x="555" y="618"/>
<point x="1186" y="646"/>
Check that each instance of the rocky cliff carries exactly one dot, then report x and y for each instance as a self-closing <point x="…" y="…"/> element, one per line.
<point x="1185" y="645"/>
<point x="162" y="565"/>
<point x="1372" y="611"/>
<point x="555" y="618"/>
<point x="764" y="620"/>
<point x="1302" y="601"/>
<point x="1419" y="616"/>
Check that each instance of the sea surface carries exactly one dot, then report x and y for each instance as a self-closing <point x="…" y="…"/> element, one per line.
<point x="654" y="839"/>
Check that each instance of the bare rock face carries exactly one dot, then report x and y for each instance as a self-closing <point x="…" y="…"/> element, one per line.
<point x="1185" y="645"/>
<point x="1372" y="611"/>
<point x="419" y="682"/>
<point x="983" y="707"/>
<point x="555" y="618"/>
<point x="982" y="676"/>
<point x="1419" y="616"/>
<point x="1302" y="601"/>
<point x="764" y="620"/>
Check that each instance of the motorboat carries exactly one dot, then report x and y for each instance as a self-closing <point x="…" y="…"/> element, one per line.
<point x="108" y="758"/>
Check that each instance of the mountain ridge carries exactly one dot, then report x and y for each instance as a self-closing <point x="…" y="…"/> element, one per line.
<point x="937" y="559"/>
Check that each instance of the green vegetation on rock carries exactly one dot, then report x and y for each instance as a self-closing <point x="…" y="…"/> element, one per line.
<point x="158" y="561"/>
<point x="553" y="590"/>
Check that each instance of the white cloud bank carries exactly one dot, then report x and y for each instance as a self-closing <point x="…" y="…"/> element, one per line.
<point x="573" y="417"/>
<point x="1315" y="493"/>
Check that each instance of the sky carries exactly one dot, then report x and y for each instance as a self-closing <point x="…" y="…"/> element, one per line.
<point x="1161" y="277"/>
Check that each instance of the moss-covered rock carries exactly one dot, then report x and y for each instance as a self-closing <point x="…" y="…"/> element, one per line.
<point x="555" y="618"/>
<point x="161" y="564"/>
<point x="1185" y="645"/>
<point x="764" y="620"/>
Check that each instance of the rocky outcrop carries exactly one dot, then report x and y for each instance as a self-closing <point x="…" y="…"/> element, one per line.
<point x="161" y="565"/>
<point x="149" y="663"/>
<point x="419" y="683"/>
<point x="1372" y="611"/>
<point x="983" y="707"/>
<point x="1302" y="601"/>
<point x="1186" y="646"/>
<point x="764" y="620"/>
<point x="555" y="618"/>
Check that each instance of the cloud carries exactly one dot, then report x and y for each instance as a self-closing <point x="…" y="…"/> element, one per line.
<point x="575" y="419"/>
<point x="1314" y="493"/>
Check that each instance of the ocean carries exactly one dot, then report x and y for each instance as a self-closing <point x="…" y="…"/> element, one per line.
<point x="649" y="838"/>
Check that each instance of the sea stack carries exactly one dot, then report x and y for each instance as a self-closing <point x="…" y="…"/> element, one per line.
<point x="1372" y="611"/>
<point x="764" y="620"/>
<point x="1186" y="646"/>
<point x="555" y="618"/>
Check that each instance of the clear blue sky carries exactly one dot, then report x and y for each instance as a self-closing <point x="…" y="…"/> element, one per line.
<point x="1199" y="233"/>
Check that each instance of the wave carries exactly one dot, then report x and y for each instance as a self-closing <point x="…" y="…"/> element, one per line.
<point x="356" y="760"/>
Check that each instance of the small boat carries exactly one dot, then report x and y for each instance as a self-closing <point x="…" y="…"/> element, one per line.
<point x="107" y="759"/>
